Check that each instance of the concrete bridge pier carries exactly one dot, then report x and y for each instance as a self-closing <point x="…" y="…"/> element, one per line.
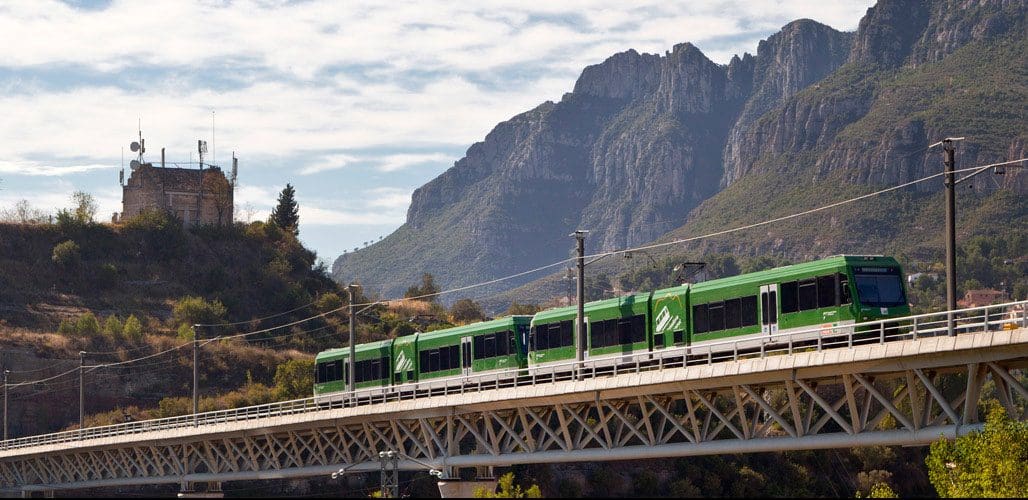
<point x="213" y="490"/>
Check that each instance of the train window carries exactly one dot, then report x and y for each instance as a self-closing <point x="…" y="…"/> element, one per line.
<point x="567" y="336"/>
<point x="679" y="336"/>
<point x="554" y="334"/>
<point x="716" y="316"/>
<point x="625" y="331"/>
<point x="384" y="374"/>
<point x="423" y="361"/>
<point x="639" y="328"/>
<point x="433" y="360"/>
<point x="478" y="347"/>
<point x="533" y="338"/>
<point x="748" y="311"/>
<point x="700" y="319"/>
<point x="826" y="291"/>
<point x="844" y="289"/>
<point x="658" y="340"/>
<point x="732" y="313"/>
<point x="489" y="345"/>
<point x="789" y="297"/>
<point x="319" y="373"/>
<point x="807" y="294"/>
<point x="444" y="359"/>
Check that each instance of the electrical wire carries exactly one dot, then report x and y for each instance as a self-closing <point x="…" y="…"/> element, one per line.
<point x="548" y="266"/>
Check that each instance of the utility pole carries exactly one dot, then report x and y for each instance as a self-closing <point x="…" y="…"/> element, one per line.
<point x="951" y="234"/>
<point x="390" y="480"/>
<point x="352" y="365"/>
<point x="580" y="318"/>
<point x="82" y="390"/>
<point x="196" y="372"/>
<point x="6" y="373"/>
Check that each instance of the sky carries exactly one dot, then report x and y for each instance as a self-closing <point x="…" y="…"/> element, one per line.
<point x="356" y="104"/>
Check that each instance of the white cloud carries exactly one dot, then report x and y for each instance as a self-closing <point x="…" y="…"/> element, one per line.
<point x="331" y="162"/>
<point x="32" y="168"/>
<point x="323" y="76"/>
<point x="396" y="162"/>
<point x="311" y="215"/>
<point x="389" y="198"/>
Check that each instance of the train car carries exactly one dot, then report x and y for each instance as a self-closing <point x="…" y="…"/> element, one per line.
<point x="831" y="292"/>
<point x="615" y="328"/>
<point x="476" y="348"/>
<point x="373" y="367"/>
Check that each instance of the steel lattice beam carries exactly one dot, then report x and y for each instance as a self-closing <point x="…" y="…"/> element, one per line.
<point x="887" y="399"/>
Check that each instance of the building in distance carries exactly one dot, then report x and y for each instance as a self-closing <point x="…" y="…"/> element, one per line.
<point x="196" y="196"/>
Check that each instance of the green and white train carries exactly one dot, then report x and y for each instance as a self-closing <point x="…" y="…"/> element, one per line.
<point x="739" y="312"/>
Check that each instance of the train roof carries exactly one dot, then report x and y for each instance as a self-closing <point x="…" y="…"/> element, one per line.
<point x="345" y="351"/>
<point x="816" y="266"/>
<point x="475" y="327"/>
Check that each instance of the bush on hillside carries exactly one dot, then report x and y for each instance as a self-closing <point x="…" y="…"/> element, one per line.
<point x="132" y="329"/>
<point x="294" y="379"/>
<point x="67" y="254"/>
<point x="197" y="310"/>
<point x="87" y="325"/>
<point x="113" y="326"/>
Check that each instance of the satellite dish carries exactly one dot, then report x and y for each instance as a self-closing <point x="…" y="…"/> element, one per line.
<point x="134" y="164"/>
<point x="134" y="146"/>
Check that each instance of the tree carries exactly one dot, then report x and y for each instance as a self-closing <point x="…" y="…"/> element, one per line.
<point x="286" y="214"/>
<point x="215" y="184"/>
<point x="517" y="309"/>
<point x="294" y="379"/>
<point x="66" y="253"/>
<point x="466" y="311"/>
<point x="132" y="329"/>
<point x="509" y="490"/>
<point x="428" y="287"/>
<point x="85" y="206"/>
<point x="990" y="463"/>
<point x="195" y="310"/>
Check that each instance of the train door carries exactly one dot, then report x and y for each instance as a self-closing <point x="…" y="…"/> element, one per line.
<point x="769" y="309"/>
<point x="465" y="355"/>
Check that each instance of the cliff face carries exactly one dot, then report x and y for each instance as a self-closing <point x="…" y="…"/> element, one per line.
<point x="644" y="139"/>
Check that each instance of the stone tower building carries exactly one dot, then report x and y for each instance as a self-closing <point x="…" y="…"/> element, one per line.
<point x="195" y="196"/>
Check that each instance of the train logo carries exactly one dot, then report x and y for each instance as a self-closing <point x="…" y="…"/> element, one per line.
<point x="667" y="321"/>
<point x="403" y="363"/>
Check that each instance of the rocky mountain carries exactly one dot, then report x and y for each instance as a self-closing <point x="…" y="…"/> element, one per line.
<point x="645" y="144"/>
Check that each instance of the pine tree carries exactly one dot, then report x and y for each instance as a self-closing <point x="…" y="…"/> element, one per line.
<point x="287" y="214"/>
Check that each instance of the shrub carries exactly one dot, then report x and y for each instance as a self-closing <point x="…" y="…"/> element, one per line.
<point x="67" y="327"/>
<point x="87" y="325"/>
<point x="113" y="326"/>
<point x="329" y="302"/>
<point x="67" y="254"/>
<point x="465" y="311"/>
<point x="107" y="276"/>
<point x="132" y="329"/>
<point x="185" y="332"/>
<point x="294" y="379"/>
<point x="195" y="310"/>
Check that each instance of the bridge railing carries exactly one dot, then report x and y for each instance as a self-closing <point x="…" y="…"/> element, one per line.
<point x="1010" y="315"/>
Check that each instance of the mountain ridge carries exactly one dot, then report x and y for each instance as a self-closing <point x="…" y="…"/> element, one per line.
<point x="643" y="140"/>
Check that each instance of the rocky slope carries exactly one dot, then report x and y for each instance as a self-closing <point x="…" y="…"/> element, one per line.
<point x="643" y="140"/>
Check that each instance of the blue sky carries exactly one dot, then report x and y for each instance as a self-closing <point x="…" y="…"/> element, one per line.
<point x="354" y="103"/>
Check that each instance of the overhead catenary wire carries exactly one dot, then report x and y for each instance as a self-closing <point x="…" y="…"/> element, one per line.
<point x="554" y="264"/>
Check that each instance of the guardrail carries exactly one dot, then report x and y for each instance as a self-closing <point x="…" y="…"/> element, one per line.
<point x="1010" y="315"/>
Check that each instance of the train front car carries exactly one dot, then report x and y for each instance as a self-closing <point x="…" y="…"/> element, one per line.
<point x="373" y="370"/>
<point x="878" y="282"/>
<point x="798" y="303"/>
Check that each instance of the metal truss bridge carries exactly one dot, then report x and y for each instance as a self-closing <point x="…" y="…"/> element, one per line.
<point x="883" y="383"/>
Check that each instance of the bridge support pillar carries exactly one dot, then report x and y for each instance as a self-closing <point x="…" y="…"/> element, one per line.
<point x="455" y="488"/>
<point x="213" y="491"/>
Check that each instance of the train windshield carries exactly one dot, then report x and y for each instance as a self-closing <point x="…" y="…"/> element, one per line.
<point x="879" y="286"/>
